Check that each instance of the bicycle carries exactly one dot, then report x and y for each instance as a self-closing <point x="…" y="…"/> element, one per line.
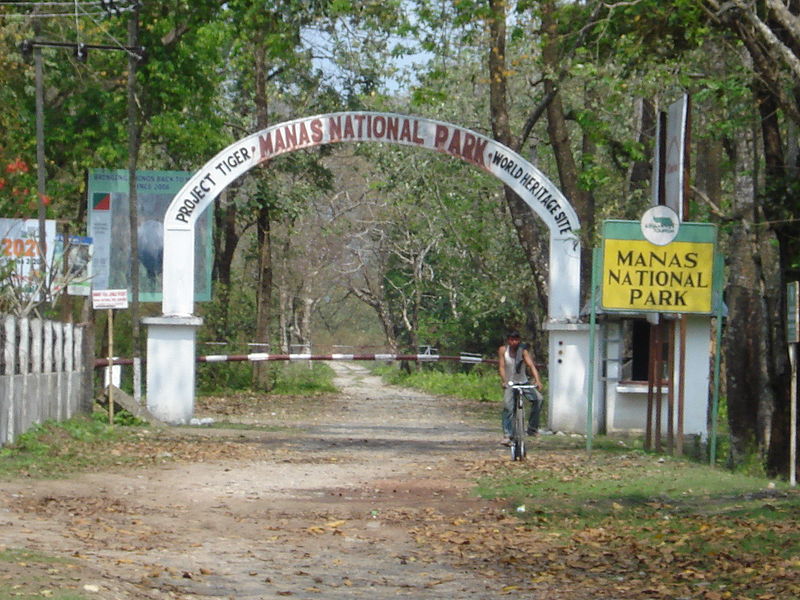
<point x="518" y="425"/>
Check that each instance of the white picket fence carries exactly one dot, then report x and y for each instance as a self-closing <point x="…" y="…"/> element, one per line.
<point x="41" y="373"/>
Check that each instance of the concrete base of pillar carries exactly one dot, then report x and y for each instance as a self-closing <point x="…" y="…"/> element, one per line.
<point x="568" y="372"/>
<point x="171" y="367"/>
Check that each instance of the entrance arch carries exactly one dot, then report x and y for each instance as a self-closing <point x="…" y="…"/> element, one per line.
<point x="170" y="343"/>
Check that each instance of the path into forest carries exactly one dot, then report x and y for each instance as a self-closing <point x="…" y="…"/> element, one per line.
<point x="303" y="499"/>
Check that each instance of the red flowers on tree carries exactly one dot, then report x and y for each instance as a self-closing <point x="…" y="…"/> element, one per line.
<point x="17" y="195"/>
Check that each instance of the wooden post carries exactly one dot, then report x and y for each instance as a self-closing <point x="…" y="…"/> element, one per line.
<point x="651" y="362"/>
<point x="659" y="369"/>
<point x="110" y="366"/>
<point x="681" y="387"/>
<point x="670" y="326"/>
<point x="793" y="417"/>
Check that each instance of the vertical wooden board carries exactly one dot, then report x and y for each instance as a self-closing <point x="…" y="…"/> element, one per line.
<point x="78" y="349"/>
<point x="58" y="346"/>
<point x="50" y="392"/>
<point x="9" y="348"/>
<point x="4" y="403"/>
<point x="36" y="345"/>
<point x="33" y="403"/>
<point x="26" y="408"/>
<point x="10" y="366"/>
<point x="47" y="354"/>
<point x="69" y="352"/>
<point x="74" y="388"/>
<point x="40" y="401"/>
<point x="68" y="400"/>
<point x="58" y="365"/>
<point x="20" y="426"/>
<point x="35" y="381"/>
<point x="24" y="348"/>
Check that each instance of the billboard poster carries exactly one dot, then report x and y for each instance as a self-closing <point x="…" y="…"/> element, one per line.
<point x="107" y="192"/>
<point x="19" y="253"/>
<point x="74" y="254"/>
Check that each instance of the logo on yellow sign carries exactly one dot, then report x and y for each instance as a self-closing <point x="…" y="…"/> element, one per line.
<point x="638" y="275"/>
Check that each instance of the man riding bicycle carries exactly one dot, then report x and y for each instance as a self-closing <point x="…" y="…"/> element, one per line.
<point x="513" y="358"/>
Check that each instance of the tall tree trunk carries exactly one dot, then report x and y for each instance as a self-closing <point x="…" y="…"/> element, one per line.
<point x="264" y="295"/>
<point x="285" y="298"/>
<point x="775" y="267"/>
<point x="381" y="308"/>
<point x="746" y="346"/>
<point x="558" y="135"/>
<point x="226" y="238"/>
<point x="304" y="325"/>
<point x="264" y="289"/>
<point x="532" y="236"/>
<point x="640" y="173"/>
<point x="764" y="42"/>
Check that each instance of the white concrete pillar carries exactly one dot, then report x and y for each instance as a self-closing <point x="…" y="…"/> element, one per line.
<point x="568" y="371"/>
<point x="171" y="367"/>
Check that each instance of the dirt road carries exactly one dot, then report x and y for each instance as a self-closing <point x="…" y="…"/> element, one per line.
<point x="311" y="500"/>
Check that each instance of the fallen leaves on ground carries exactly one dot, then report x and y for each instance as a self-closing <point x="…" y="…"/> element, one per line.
<point x="654" y="550"/>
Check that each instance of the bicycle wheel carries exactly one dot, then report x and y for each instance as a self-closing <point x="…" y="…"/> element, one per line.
<point x="518" y="428"/>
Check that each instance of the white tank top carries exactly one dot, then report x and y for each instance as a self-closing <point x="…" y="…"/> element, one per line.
<point x="511" y="366"/>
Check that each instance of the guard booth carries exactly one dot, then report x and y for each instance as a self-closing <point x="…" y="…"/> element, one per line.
<point x="626" y="350"/>
<point x="660" y="287"/>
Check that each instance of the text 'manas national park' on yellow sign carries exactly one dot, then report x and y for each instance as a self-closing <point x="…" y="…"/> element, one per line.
<point x="638" y="276"/>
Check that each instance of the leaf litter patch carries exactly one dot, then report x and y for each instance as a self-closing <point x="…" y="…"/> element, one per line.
<point x="554" y="539"/>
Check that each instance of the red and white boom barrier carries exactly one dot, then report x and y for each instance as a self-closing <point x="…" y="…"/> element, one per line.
<point x="262" y="356"/>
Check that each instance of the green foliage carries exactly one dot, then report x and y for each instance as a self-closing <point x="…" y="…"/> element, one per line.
<point x="289" y="378"/>
<point x="297" y="379"/>
<point x="636" y="478"/>
<point x="56" y="449"/>
<point x="121" y="417"/>
<point x="474" y="384"/>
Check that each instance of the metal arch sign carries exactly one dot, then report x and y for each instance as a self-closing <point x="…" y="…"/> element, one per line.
<point x="495" y="158"/>
<point x="544" y="198"/>
<point x="171" y="337"/>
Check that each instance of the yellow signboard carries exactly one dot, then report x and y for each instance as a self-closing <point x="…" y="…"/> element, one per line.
<point x="640" y="276"/>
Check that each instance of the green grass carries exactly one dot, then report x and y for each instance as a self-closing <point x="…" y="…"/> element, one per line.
<point x="648" y="497"/>
<point x="297" y="379"/>
<point x="290" y="379"/>
<point x="482" y="385"/>
<point x="57" y="449"/>
<point x="643" y="526"/>
<point x="12" y="555"/>
<point x="293" y="378"/>
<point x="31" y="575"/>
<point x="632" y="481"/>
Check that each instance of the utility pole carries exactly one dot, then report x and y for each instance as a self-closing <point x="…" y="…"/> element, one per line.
<point x="133" y="159"/>
<point x="40" y="161"/>
<point x="34" y="48"/>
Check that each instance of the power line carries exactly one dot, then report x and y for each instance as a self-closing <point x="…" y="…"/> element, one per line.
<point x="80" y="49"/>
<point x="101" y="7"/>
<point x="130" y="51"/>
<point x="48" y="15"/>
<point x="37" y="4"/>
